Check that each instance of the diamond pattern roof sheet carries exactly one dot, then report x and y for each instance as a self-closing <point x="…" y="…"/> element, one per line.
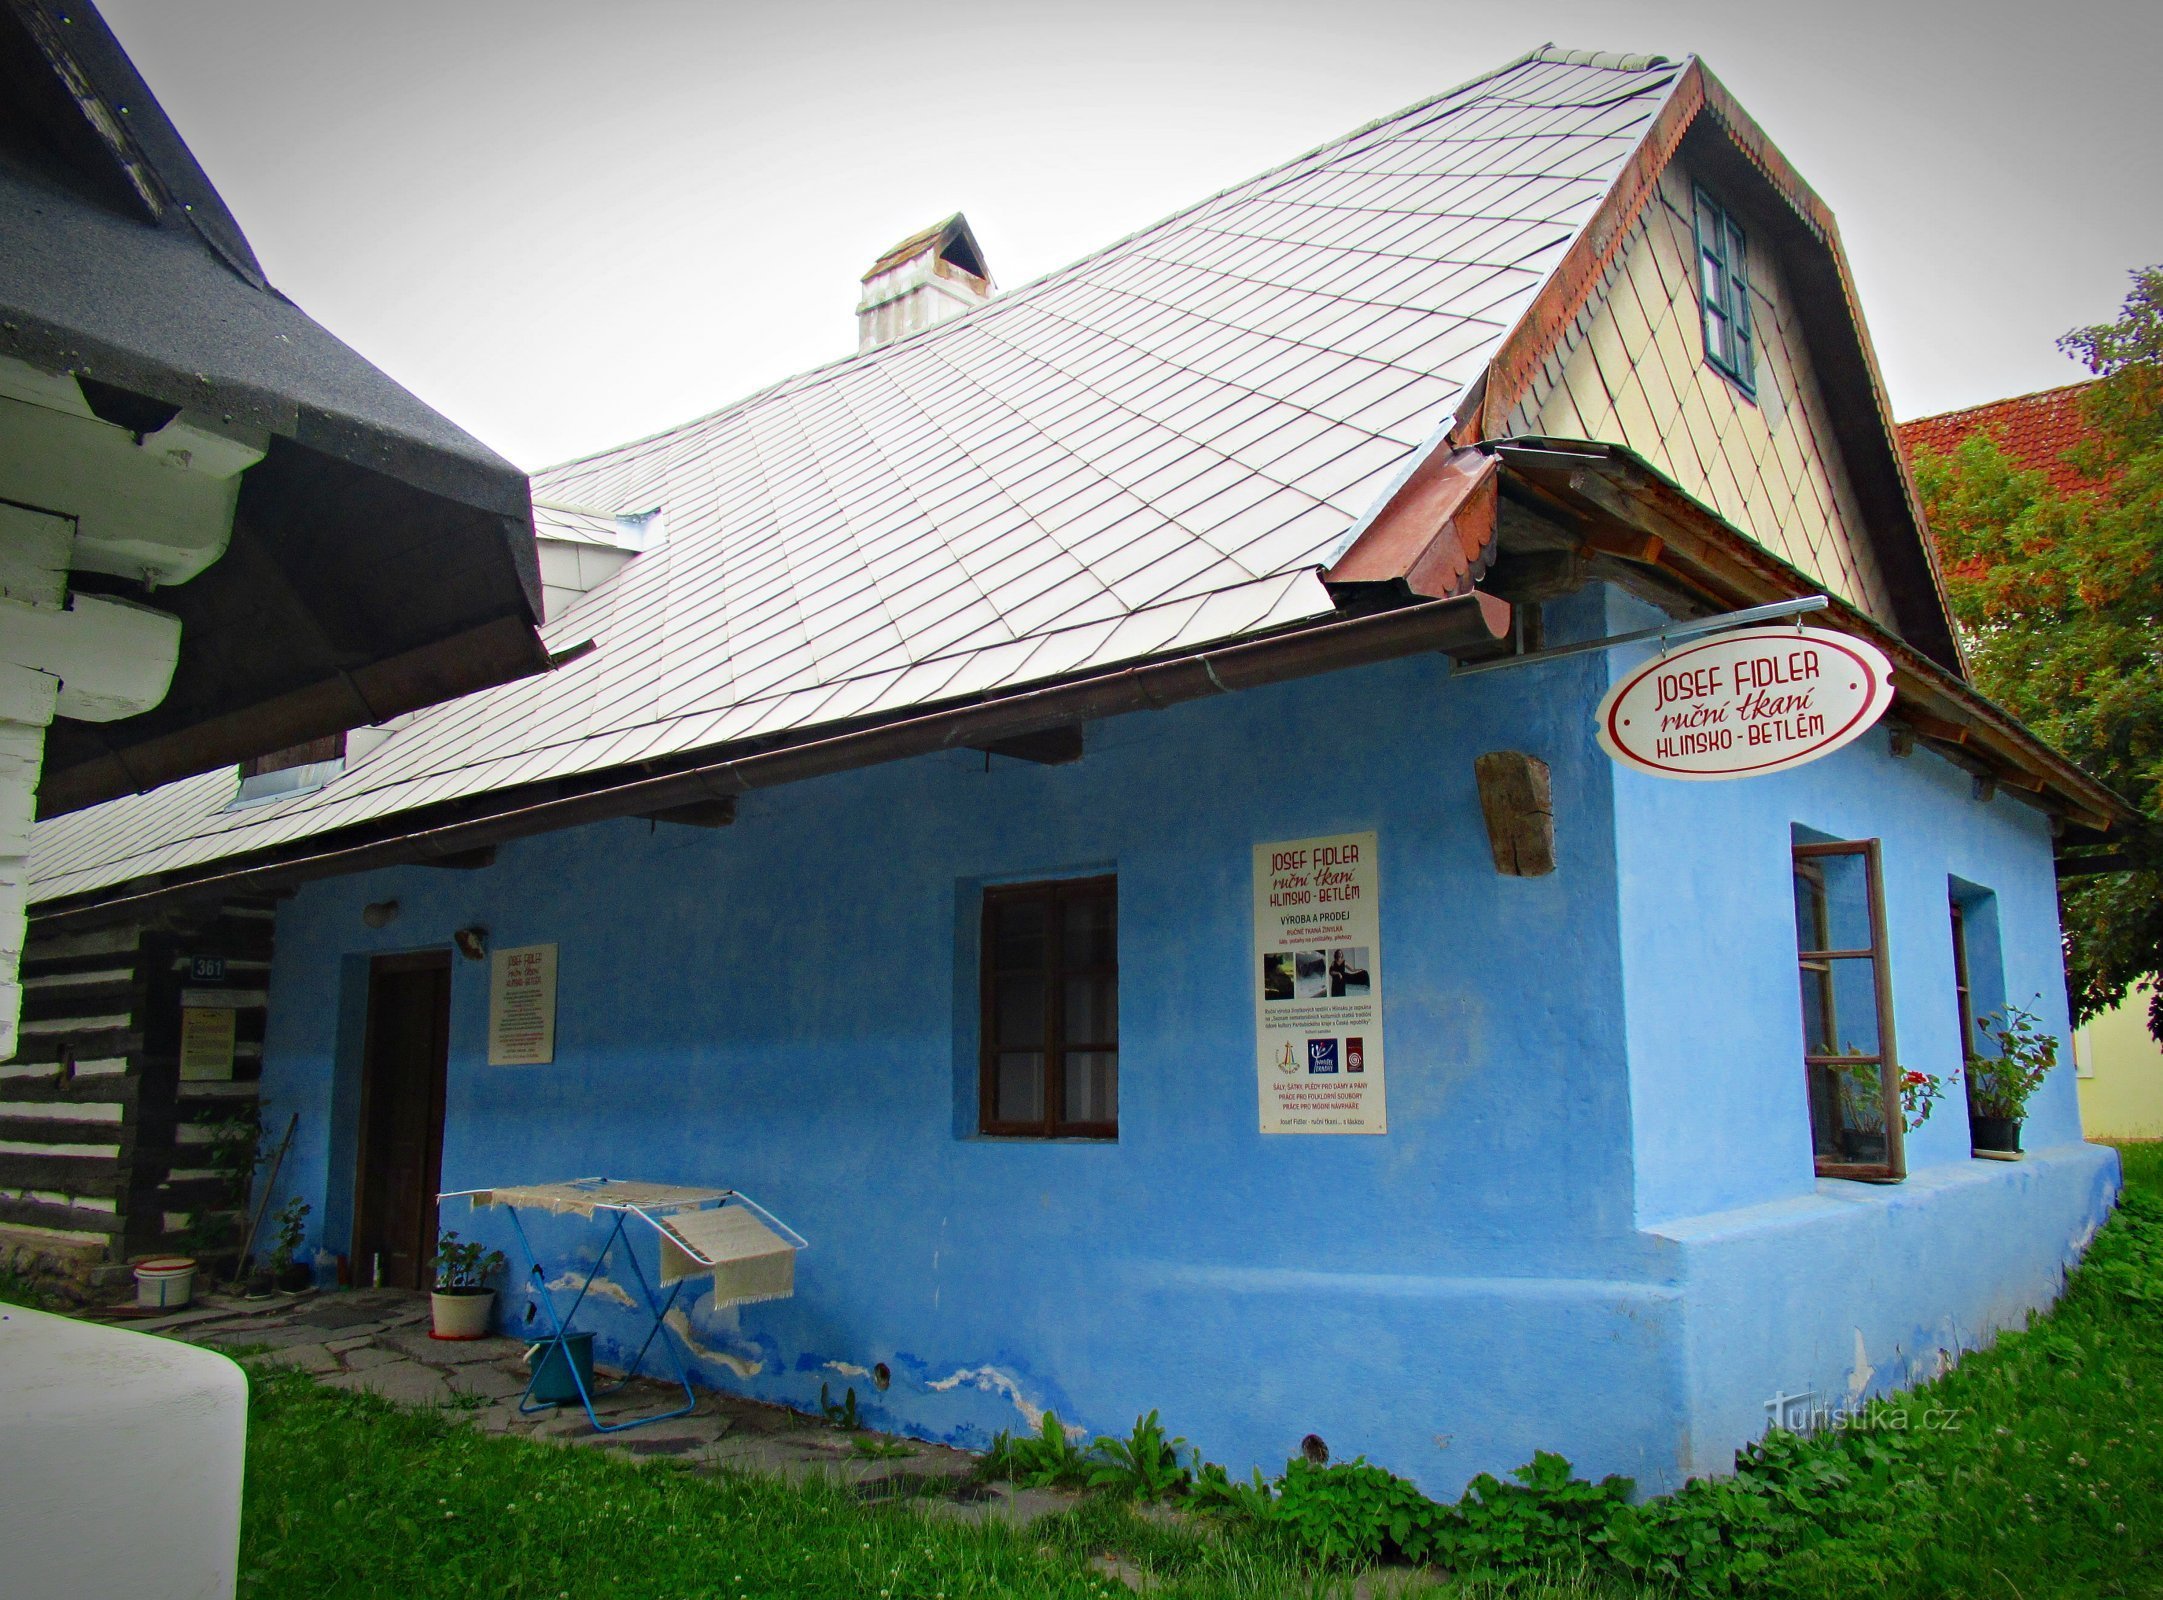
<point x="1156" y="448"/>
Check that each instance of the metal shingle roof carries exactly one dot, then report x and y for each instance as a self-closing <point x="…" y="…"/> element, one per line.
<point x="1158" y="447"/>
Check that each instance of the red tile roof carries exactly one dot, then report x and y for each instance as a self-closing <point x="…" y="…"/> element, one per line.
<point x="2034" y="429"/>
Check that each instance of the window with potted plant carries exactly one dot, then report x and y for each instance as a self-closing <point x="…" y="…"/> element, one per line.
<point x="1849" y="1064"/>
<point x="462" y="1299"/>
<point x="1999" y="1086"/>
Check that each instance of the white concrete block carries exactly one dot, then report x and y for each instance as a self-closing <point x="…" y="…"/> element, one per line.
<point x="122" y="1472"/>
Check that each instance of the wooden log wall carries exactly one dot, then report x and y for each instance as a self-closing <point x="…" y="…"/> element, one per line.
<point x="103" y="1146"/>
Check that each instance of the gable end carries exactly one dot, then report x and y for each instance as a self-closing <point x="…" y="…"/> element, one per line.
<point x="1703" y="131"/>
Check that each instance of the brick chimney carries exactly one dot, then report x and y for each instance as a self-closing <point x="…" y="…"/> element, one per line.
<point x="923" y="280"/>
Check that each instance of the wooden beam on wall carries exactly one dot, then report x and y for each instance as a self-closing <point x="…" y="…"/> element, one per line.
<point x="1052" y="747"/>
<point x="715" y="813"/>
<point x="1517" y="799"/>
<point x="465" y="860"/>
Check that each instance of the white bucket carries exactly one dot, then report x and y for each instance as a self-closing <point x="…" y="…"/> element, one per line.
<point x="165" y="1283"/>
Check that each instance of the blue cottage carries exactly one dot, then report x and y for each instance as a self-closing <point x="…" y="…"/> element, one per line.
<point x="1089" y="811"/>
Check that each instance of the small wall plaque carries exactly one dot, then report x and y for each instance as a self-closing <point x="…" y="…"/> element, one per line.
<point x="206" y="1043"/>
<point x="522" y="1006"/>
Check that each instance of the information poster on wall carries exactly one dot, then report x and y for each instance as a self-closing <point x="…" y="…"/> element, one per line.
<point x="522" y="1006"/>
<point x="207" y="1035"/>
<point x="1318" y="985"/>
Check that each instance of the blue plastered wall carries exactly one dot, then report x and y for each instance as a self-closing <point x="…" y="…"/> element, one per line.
<point x="1817" y="1294"/>
<point x="787" y="1005"/>
<point x="1532" y="1258"/>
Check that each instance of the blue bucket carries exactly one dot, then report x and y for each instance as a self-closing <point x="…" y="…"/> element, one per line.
<point x="552" y="1380"/>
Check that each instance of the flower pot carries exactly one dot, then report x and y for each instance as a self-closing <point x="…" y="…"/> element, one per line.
<point x="1994" y="1133"/>
<point x="1863" y="1148"/>
<point x="165" y="1282"/>
<point x="296" y="1276"/>
<point x="462" y="1313"/>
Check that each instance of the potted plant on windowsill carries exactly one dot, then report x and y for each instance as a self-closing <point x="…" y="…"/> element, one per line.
<point x="1862" y="1115"/>
<point x="462" y="1300"/>
<point x="1999" y="1086"/>
<point x="1862" y="1110"/>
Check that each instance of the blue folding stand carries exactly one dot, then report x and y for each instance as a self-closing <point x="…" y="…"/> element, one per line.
<point x="622" y="1200"/>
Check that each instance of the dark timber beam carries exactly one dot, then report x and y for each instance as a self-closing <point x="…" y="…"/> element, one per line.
<point x="1467" y="625"/>
<point x="464" y="860"/>
<point x="1050" y="747"/>
<point x="715" y="813"/>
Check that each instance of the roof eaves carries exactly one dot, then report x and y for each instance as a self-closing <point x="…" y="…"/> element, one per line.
<point x="1470" y="622"/>
<point x="1692" y="545"/>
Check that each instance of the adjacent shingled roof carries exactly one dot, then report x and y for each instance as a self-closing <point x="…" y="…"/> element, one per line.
<point x="2036" y="430"/>
<point x="380" y="557"/>
<point x="1158" y="447"/>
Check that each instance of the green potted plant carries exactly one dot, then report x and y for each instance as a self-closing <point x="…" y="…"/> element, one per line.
<point x="1862" y="1114"/>
<point x="462" y="1300"/>
<point x="1999" y="1085"/>
<point x="288" y="1272"/>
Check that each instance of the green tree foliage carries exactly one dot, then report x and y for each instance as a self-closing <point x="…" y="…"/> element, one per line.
<point x="2059" y="597"/>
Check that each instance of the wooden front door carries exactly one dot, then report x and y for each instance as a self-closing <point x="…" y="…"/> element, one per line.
<point x="400" y="1161"/>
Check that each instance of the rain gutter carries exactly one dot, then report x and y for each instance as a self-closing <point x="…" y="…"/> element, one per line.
<point x="1468" y="624"/>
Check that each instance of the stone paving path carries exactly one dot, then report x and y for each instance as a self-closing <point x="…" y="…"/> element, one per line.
<point x="378" y="1340"/>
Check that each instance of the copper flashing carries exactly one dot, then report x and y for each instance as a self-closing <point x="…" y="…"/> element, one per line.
<point x="1436" y="533"/>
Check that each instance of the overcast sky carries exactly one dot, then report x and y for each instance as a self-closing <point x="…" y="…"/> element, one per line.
<point x="568" y="223"/>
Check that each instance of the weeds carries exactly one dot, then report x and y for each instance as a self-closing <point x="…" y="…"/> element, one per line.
<point x="869" y="1447"/>
<point x="2051" y="1469"/>
<point x="1142" y="1466"/>
<point x="1046" y="1459"/>
<point x="17" y="1290"/>
<point x="843" y="1416"/>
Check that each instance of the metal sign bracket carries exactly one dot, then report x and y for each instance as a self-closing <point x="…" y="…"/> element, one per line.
<point x="1666" y="634"/>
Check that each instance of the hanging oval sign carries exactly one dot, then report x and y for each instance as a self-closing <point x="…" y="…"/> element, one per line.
<point x="1746" y="703"/>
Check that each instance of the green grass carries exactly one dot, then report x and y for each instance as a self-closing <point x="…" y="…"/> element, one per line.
<point x="2050" y="1485"/>
<point x="348" y="1496"/>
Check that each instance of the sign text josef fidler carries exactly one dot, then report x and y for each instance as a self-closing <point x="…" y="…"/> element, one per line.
<point x="1747" y="703"/>
<point x="1318" y="986"/>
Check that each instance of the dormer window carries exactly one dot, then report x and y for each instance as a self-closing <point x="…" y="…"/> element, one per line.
<point x="1723" y="286"/>
<point x="298" y="769"/>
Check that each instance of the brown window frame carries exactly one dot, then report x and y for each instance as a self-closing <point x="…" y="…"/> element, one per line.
<point x="1963" y="990"/>
<point x="1056" y="893"/>
<point x="1894" y="1166"/>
